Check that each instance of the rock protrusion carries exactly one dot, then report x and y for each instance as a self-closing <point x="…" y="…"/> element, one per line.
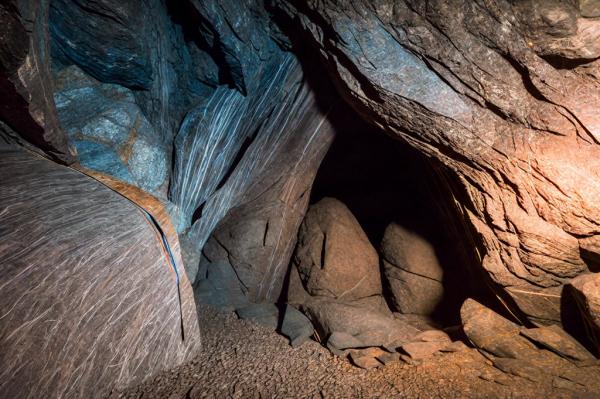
<point x="334" y="256"/>
<point x="412" y="271"/>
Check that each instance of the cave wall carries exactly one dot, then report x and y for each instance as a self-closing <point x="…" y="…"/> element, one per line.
<point x="184" y="100"/>
<point x="25" y="84"/>
<point x="504" y="94"/>
<point x="200" y="104"/>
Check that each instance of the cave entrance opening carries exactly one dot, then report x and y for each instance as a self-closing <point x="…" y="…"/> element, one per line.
<point x="392" y="191"/>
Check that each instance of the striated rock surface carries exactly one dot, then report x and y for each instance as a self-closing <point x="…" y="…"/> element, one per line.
<point x="412" y="271"/>
<point x="25" y="79"/>
<point x="503" y="97"/>
<point x="252" y="220"/>
<point x="85" y="283"/>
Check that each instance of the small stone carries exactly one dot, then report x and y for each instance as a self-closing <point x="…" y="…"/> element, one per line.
<point x="394" y="345"/>
<point x="433" y="336"/>
<point x="388" y="358"/>
<point x="456" y="346"/>
<point x="422" y="350"/>
<point x="366" y="358"/>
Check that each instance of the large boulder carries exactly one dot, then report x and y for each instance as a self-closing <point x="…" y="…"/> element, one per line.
<point x="89" y="297"/>
<point x="334" y="256"/>
<point x="412" y="271"/>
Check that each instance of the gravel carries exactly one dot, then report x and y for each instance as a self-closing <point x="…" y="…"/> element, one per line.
<point x="241" y="359"/>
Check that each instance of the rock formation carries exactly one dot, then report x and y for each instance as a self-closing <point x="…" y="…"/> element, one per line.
<point x="503" y="95"/>
<point x="86" y="283"/>
<point x="412" y="271"/>
<point x="213" y="116"/>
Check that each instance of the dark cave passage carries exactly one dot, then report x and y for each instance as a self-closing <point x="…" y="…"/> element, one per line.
<point x="384" y="181"/>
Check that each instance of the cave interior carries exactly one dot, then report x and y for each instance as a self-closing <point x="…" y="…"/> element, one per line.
<point x="325" y="187"/>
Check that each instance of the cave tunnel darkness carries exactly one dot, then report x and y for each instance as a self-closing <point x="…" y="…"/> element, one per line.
<point x="383" y="181"/>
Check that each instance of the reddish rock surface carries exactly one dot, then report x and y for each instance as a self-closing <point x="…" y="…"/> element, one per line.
<point x="503" y="97"/>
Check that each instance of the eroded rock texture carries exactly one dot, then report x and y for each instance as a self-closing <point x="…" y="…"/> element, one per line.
<point x="504" y="95"/>
<point x="333" y="254"/>
<point x="268" y="198"/>
<point x="25" y="84"/>
<point x="88" y="299"/>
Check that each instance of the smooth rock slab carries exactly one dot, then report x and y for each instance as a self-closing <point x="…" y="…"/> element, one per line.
<point x="558" y="341"/>
<point x="88" y="300"/>
<point x="412" y="271"/>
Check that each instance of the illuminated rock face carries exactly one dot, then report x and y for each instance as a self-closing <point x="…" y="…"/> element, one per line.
<point x="88" y="297"/>
<point x="503" y="98"/>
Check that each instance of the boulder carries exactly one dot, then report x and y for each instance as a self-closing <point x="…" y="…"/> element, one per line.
<point x="412" y="271"/>
<point x="491" y="332"/>
<point x="85" y="283"/>
<point x="500" y="340"/>
<point x="367" y="326"/>
<point x="220" y="288"/>
<point x="587" y="286"/>
<point x="334" y="256"/>
<point x="296" y="326"/>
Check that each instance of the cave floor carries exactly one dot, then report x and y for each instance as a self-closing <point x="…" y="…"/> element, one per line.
<point x="240" y="359"/>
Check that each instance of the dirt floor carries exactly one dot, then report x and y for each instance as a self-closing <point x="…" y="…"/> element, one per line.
<point x="240" y="359"/>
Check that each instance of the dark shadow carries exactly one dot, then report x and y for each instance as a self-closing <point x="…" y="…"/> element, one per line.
<point x="382" y="181"/>
<point x="574" y="322"/>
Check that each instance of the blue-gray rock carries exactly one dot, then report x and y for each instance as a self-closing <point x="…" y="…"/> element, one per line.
<point x="296" y="326"/>
<point x="106" y="38"/>
<point x="220" y="288"/>
<point x="109" y="131"/>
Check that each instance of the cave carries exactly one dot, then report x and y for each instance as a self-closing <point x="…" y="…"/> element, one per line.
<point x="295" y="198"/>
<point x="383" y="181"/>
